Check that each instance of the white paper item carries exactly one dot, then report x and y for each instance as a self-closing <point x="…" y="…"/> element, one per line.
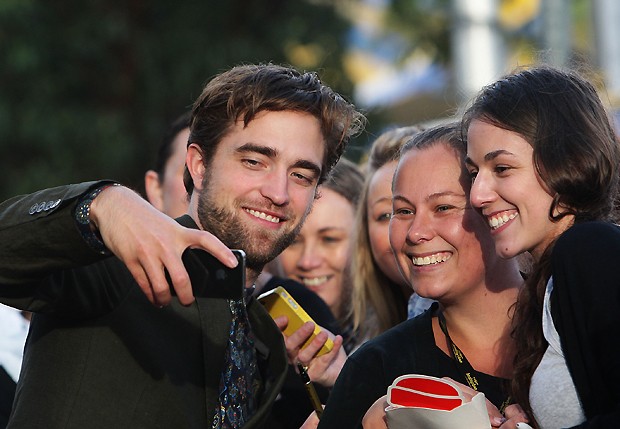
<point x="472" y="415"/>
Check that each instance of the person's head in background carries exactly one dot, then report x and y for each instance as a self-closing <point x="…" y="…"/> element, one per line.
<point x="164" y="184"/>
<point x="380" y="293"/>
<point x="320" y="255"/>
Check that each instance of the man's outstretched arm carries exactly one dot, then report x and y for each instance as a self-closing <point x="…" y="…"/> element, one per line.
<point x="40" y="234"/>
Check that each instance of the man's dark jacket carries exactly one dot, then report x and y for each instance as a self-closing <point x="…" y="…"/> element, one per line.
<point x="99" y="354"/>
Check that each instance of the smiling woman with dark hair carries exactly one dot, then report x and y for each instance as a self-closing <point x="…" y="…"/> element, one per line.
<point x="544" y="160"/>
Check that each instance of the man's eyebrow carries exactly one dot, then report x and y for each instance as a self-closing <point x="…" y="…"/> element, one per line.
<point x="263" y="150"/>
<point x="273" y="153"/>
<point x="308" y="165"/>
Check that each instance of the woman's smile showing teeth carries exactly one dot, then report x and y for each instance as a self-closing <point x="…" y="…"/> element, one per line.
<point x="314" y="281"/>
<point x="498" y="220"/>
<point x="435" y="258"/>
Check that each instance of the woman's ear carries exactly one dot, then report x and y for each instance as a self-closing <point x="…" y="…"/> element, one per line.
<point x="154" y="192"/>
<point x="195" y="164"/>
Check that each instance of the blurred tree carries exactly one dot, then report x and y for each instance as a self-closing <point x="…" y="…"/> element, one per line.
<point x="88" y="86"/>
<point x="424" y="25"/>
<point x="422" y="28"/>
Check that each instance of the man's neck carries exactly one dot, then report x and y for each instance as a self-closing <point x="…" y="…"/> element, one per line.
<point x="250" y="278"/>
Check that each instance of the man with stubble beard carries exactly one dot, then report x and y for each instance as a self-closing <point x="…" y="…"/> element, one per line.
<point x="109" y="345"/>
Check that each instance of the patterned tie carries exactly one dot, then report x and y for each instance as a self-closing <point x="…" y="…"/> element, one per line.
<point x="239" y="382"/>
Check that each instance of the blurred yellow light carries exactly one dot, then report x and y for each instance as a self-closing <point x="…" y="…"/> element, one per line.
<point x="516" y="13"/>
<point x="305" y="56"/>
<point x="362" y="66"/>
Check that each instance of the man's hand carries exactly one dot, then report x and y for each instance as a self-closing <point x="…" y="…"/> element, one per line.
<point x="148" y="242"/>
<point x="321" y="369"/>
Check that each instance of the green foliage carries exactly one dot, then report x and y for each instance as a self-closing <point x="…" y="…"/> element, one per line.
<point x="424" y="25"/>
<point x="87" y="87"/>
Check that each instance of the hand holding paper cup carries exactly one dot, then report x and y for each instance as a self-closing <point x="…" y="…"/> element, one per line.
<point x="426" y="402"/>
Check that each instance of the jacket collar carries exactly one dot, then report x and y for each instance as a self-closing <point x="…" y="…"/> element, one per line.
<point x="187" y="221"/>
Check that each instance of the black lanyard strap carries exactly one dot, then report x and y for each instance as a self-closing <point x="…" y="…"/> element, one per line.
<point x="461" y="362"/>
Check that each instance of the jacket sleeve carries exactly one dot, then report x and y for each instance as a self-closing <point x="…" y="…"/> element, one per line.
<point x="45" y="264"/>
<point x="585" y="306"/>
<point x="38" y="234"/>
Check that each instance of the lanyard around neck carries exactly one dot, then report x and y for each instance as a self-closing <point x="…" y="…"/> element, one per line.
<point x="462" y="364"/>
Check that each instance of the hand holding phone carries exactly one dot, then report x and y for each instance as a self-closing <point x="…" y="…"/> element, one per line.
<point x="278" y="302"/>
<point x="211" y="278"/>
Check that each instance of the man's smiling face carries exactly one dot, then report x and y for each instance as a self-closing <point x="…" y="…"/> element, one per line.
<point x="259" y="187"/>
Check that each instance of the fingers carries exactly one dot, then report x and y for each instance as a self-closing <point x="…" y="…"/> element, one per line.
<point x="299" y="337"/>
<point x="311" y="422"/>
<point x="514" y="410"/>
<point x="338" y="341"/>
<point x="142" y="280"/>
<point x="170" y="258"/>
<point x="206" y="241"/>
<point x="375" y="416"/>
<point x="515" y="418"/>
<point x="151" y="279"/>
<point x="155" y="264"/>
<point x="294" y="341"/>
<point x="514" y="424"/>
<point x="281" y="322"/>
<point x="497" y="422"/>
<point x="308" y="353"/>
<point x="494" y="415"/>
<point x="323" y="369"/>
<point x="326" y="368"/>
<point x="151" y="243"/>
<point x="180" y="282"/>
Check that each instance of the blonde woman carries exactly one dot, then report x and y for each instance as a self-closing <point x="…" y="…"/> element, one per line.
<point x="380" y="293"/>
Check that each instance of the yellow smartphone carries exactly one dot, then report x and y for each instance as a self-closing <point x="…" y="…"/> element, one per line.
<point x="278" y="302"/>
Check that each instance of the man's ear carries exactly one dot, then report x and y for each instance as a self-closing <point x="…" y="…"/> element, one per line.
<point x="154" y="192"/>
<point x="195" y="164"/>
